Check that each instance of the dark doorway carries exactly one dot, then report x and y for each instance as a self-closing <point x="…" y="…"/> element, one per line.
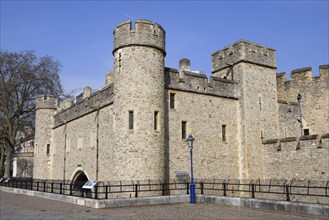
<point x="78" y="181"/>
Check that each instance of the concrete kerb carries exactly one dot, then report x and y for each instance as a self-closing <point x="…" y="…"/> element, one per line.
<point x="283" y="206"/>
<point x="104" y="203"/>
<point x="291" y="207"/>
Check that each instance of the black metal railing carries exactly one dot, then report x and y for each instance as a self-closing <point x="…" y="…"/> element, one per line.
<point x="307" y="191"/>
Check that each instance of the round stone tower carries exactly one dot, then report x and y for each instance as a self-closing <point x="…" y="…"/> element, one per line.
<point x="46" y="108"/>
<point x="139" y="101"/>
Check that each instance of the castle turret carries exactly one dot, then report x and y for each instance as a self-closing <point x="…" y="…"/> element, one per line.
<point x="46" y="107"/>
<point x="138" y="105"/>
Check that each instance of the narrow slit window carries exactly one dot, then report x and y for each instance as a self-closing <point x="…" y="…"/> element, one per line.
<point x="184" y="129"/>
<point x="48" y="148"/>
<point x="131" y="120"/>
<point x="260" y="103"/>
<point x="156" y="120"/>
<point x="172" y="100"/>
<point x="224" y="133"/>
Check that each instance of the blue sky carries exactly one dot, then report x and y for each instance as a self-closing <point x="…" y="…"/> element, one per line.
<point x="79" y="34"/>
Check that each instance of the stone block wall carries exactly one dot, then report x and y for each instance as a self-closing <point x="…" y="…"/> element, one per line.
<point x="288" y="123"/>
<point x="314" y="92"/>
<point x="204" y="116"/>
<point x="306" y="158"/>
<point x="199" y="83"/>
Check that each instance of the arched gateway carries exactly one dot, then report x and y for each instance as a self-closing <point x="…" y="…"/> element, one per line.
<point x="79" y="178"/>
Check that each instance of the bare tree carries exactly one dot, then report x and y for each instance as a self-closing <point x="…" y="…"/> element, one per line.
<point x="23" y="77"/>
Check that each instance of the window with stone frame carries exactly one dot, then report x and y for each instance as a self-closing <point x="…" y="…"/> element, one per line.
<point x="48" y="148"/>
<point x="172" y="100"/>
<point x="156" y="120"/>
<point x="184" y="123"/>
<point x="131" y="120"/>
<point x="223" y="133"/>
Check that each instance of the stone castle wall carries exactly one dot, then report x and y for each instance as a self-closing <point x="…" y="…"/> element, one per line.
<point x="306" y="158"/>
<point x="256" y="106"/>
<point x="204" y="116"/>
<point x="288" y="115"/>
<point x="314" y="92"/>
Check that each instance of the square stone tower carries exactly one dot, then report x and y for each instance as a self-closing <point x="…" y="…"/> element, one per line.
<point x="253" y="66"/>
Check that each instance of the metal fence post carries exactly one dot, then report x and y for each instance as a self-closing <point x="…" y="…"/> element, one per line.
<point x="60" y="188"/>
<point x="163" y="189"/>
<point x="253" y="190"/>
<point x="44" y="186"/>
<point x="287" y="193"/>
<point x="96" y="191"/>
<point x="187" y="188"/>
<point x="201" y="186"/>
<point x="136" y="193"/>
<point x="106" y="191"/>
<point x="38" y="186"/>
<point x="52" y="187"/>
<point x="70" y="189"/>
<point x="224" y="188"/>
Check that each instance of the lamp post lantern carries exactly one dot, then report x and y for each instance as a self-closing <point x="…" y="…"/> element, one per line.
<point x="190" y="140"/>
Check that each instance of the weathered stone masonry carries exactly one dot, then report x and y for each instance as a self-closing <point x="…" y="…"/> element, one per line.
<point x="243" y="117"/>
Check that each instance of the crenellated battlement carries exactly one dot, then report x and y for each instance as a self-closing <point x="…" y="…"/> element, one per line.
<point x="47" y="102"/>
<point x="89" y="104"/>
<point x="304" y="157"/>
<point x="243" y="51"/>
<point x="142" y="33"/>
<point x="303" y="75"/>
<point x="289" y="144"/>
<point x="314" y="95"/>
<point x="199" y="83"/>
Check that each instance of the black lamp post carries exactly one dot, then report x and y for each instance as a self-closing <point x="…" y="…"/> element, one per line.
<point x="190" y="140"/>
<point x="299" y="99"/>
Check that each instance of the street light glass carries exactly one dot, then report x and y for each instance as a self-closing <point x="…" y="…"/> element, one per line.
<point x="299" y="97"/>
<point x="190" y="140"/>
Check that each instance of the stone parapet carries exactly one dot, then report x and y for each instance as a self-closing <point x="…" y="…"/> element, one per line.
<point x="143" y="33"/>
<point x="243" y="51"/>
<point x="47" y="102"/>
<point x="314" y="96"/>
<point x="306" y="157"/>
<point x="200" y="83"/>
<point x="95" y="101"/>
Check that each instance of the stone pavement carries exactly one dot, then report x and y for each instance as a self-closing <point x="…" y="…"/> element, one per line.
<point x="17" y="206"/>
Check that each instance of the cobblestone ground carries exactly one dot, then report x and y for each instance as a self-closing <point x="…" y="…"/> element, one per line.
<point x="16" y="206"/>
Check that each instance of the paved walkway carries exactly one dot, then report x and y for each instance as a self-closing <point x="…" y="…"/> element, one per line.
<point x="17" y="206"/>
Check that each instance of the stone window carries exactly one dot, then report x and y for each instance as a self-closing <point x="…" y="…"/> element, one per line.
<point x="306" y="132"/>
<point x="131" y="120"/>
<point x="260" y="103"/>
<point x="48" y="148"/>
<point x="184" y="129"/>
<point x="156" y="120"/>
<point x="223" y="133"/>
<point x="172" y="100"/>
